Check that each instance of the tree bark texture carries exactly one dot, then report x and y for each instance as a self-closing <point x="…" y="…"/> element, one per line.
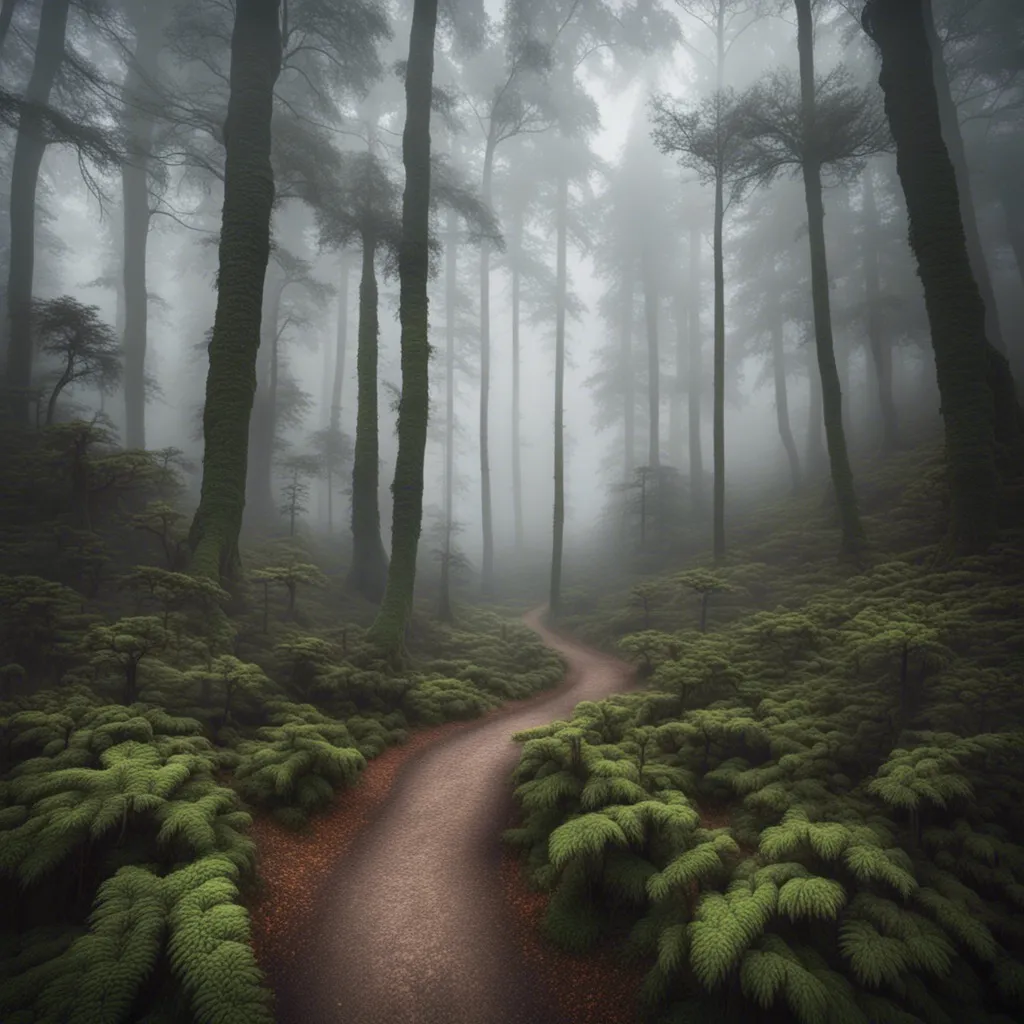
<point x="369" y="570"/>
<point x="831" y="393"/>
<point x="244" y="252"/>
<point x="956" y="310"/>
<point x="388" y="629"/>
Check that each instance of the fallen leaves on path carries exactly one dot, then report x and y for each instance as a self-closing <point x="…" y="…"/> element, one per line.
<point x="593" y="988"/>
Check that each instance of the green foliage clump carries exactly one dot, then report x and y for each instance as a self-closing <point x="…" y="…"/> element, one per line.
<point x="843" y="776"/>
<point x="294" y="767"/>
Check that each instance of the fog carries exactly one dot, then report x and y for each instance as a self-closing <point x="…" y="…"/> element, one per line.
<point x="629" y="202"/>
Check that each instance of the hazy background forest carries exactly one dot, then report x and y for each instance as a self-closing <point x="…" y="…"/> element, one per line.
<point x="646" y="365"/>
<point x="640" y="234"/>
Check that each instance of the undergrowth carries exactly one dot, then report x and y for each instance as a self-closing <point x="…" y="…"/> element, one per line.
<point x="814" y="810"/>
<point x="146" y="715"/>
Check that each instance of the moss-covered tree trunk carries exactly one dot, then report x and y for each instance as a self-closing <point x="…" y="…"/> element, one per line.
<point x="29" y="147"/>
<point x="341" y="343"/>
<point x="561" y="275"/>
<point x="718" y="428"/>
<point x="878" y="344"/>
<point x="369" y="571"/>
<point x="956" y="311"/>
<point x="138" y="100"/>
<point x="244" y="252"/>
<point x="263" y="422"/>
<point x="695" y="376"/>
<point x="388" y="629"/>
<point x="516" y="249"/>
<point x="650" y="286"/>
<point x="782" y="399"/>
<point x="831" y="392"/>
<point x="486" y="520"/>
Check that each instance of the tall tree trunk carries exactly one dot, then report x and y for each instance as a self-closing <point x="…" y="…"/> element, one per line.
<point x="878" y="343"/>
<point x="341" y="343"/>
<point x="628" y="380"/>
<point x="1009" y="420"/>
<point x="28" y="157"/>
<point x="487" y="556"/>
<point x="263" y="422"/>
<point x="719" y="371"/>
<point x="815" y="423"/>
<point x="695" y="376"/>
<point x="388" y="629"/>
<point x="782" y="398"/>
<point x="949" y="119"/>
<point x="555" y="596"/>
<point x="244" y="252"/>
<point x="675" y="408"/>
<point x="831" y="393"/>
<point x="338" y="376"/>
<point x="451" y="295"/>
<point x="653" y="363"/>
<point x="517" y="465"/>
<point x="369" y="571"/>
<point x="138" y="103"/>
<point x="956" y="310"/>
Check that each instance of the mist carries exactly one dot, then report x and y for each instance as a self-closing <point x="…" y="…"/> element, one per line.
<point x="368" y="365"/>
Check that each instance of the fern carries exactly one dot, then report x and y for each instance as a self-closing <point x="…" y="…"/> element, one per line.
<point x="811" y="897"/>
<point x="586" y="836"/>
<point x="726" y="924"/>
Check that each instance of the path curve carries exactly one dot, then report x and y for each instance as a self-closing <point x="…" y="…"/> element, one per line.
<point x="412" y="927"/>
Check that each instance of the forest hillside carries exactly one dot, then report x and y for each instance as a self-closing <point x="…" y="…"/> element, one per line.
<point x="811" y="809"/>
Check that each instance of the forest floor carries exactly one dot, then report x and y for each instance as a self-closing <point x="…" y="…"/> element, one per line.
<point x="398" y="905"/>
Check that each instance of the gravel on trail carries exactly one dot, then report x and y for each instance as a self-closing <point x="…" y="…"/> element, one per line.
<point x="398" y="907"/>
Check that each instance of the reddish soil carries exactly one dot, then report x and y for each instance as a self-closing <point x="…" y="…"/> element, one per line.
<point x="398" y="905"/>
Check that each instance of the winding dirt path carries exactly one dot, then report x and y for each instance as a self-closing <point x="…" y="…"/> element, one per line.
<point x="412" y="925"/>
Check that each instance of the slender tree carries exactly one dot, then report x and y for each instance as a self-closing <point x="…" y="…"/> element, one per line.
<point x="139" y="98"/>
<point x="555" y="595"/>
<point x="388" y="629"/>
<point x="826" y="125"/>
<point x="29" y="147"/>
<point x="710" y="138"/>
<point x="243" y="253"/>
<point x="878" y="343"/>
<point x="831" y="393"/>
<point x="695" y="375"/>
<point x="513" y="108"/>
